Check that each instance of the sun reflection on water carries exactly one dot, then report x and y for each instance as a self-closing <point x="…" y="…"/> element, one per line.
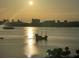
<point x="30" y="44"/>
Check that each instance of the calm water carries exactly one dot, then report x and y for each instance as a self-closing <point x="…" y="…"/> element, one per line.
<point x="20" y="42"/>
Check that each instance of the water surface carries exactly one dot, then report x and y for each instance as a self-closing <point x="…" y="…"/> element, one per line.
<point x="20" y="42"/>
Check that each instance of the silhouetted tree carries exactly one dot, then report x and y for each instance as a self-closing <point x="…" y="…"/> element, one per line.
<point x="49" y="52"/>
<point x="55" y="53"/>
<point x="77" y="52"/>
<point x="67" y="52"/>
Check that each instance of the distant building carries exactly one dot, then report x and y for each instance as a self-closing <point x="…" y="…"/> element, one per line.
<point x="19" y="20"/>
<point x="53" y="21"/>
<point x="58" y="21"/>
<point x="47" y="23"/>
<point x="13" y="21"/>
<point x="35" y="22"/>
<point x="65" y="21"/>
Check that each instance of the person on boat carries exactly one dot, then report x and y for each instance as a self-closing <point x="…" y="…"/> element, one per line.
<point x="36" y="35"/>
<point x="46" y="37"/>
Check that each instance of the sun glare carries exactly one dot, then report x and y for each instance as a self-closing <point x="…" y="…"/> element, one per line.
<point x="31" y="3"/>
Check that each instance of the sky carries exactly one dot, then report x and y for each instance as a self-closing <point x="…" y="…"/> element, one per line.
<point x="42" y="9"/>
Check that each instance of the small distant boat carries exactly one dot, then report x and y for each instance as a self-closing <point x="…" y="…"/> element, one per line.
<point x="8" y="27"/>
<point x="1" y="38"/>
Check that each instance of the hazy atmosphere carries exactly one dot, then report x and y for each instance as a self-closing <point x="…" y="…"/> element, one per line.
<point x="39" y="28"/>
<point x="43" y="9"/>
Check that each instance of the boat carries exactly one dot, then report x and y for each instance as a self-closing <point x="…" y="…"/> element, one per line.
<point x="8" y="27"/>
<point x="1" y="38"/>
<point x="38" y="37"/>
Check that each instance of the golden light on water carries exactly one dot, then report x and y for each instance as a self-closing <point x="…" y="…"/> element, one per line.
<point x="30" y="32"/>
<point x="30" y="44"/>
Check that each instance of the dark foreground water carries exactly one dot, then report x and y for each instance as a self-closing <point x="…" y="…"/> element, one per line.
<point x="20" y="42"/>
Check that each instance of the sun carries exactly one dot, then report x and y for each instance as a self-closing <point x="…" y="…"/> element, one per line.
<point x="31" y="3"/>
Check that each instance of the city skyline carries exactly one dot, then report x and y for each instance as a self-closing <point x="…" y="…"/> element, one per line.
<point x="42" y="9"/>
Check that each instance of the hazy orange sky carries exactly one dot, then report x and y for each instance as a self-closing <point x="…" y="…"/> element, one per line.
<point x="43" y="9"/>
